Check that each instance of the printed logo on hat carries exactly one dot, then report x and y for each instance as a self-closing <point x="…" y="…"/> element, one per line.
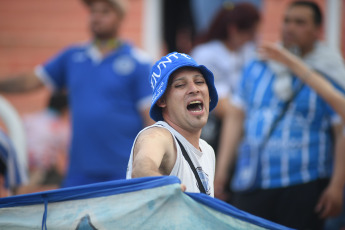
<point x="161" y="72"/>
<point x="157" y="72"/>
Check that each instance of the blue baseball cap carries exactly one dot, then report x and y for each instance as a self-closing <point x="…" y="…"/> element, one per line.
<point x="162" y="70"/>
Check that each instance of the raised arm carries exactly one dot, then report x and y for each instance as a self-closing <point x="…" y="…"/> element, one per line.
<point x="154" y="153"/>
<point x="231" y="134"/>
<point x="21" y="83"/>
<point x="321" y="85"/>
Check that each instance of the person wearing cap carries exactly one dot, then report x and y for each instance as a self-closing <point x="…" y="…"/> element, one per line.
<point x="106" y="81"/>
<point x="183" y="95"/>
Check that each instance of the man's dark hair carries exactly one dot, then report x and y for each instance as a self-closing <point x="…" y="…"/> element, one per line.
<point x="58" y="102"/>
<point x="244" y="16"/>
<point x="314" y="7"/>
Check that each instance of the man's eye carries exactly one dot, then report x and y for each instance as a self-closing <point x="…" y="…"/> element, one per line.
<point x="300" y="22"/>
<point x="200" y="82"/>
<point x="179" y="85"/>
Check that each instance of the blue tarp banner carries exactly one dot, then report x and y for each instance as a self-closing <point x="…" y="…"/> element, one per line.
<point x="143" y="203"/>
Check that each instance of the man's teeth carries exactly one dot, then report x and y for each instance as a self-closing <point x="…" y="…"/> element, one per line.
<point x="194" y="102"/>
<point x="197" y="106"/>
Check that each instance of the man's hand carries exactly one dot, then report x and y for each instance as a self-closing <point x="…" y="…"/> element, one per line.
<point x="272" y="51"/>
<point x="183" y="187"/>
<point x="330" y="202"/>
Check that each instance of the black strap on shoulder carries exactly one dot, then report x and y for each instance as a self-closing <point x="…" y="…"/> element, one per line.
<point x="280" y="116"/>
<point x="186" y="156"/>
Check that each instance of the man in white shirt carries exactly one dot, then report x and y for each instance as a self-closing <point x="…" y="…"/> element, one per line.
<point x="183" y="95"/>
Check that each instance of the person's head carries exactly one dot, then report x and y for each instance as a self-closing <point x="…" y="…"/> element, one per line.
<point x="183" y="91"/>
<point x="302" y="25"/>
<point x="105" y="17"/>
<point x="236" y="23"/>
<point x="58" y="102"/>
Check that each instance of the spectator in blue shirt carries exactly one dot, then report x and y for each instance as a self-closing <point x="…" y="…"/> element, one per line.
<point x="109" y="94"/>
<point x="292" y="173"/>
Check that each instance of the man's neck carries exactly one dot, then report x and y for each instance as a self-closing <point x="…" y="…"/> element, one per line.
<point x="192" y="137"/>
<point x="106" y="45"/>
<point x="302" y="51"/>
<point x="306" y="50"/>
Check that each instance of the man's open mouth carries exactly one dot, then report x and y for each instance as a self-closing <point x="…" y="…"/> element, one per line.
<point x="195" y="106"/>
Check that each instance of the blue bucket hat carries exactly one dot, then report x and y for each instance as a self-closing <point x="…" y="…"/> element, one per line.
<point x="162" y="70"/>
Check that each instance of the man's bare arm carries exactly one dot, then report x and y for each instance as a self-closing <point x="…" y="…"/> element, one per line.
<point x="154" y="153"/>
<point x="322" y="86"/>
<point x="21" y="83"/>
<point x="331" y="201"/>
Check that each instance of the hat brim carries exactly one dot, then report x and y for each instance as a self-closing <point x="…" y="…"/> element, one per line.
<point x="156" y="111"/>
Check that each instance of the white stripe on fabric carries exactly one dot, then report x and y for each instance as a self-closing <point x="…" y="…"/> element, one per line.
<point x="236" y="99"/>
<point x="285" y="179"/>
<point x="11" y="171"/>
<point x="262" y="87"/>
<point x="265" y="172"/>
<point x="42" y="74"/>
<point x="14" y="167"/>
<point x="94" y="53"/>
<point x="259" y="96"/>
<point x="256" y="69"/>
<point x="305" y="155"/>
<point x="306" y="136"/>
<point x="322" y="149"/>
<point x="141" y="56"/>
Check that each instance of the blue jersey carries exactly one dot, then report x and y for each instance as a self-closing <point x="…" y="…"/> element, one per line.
<point x="15" y="174"/>
<point x="106" y="97"/>
<point x="299" y="149"/>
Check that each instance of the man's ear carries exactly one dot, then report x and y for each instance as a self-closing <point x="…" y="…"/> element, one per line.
<point x="161" y="102"/>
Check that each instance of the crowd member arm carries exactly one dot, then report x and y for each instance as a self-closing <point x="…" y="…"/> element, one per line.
<point x="231" y="134"/>
<point x="21" y="83"/>
<point x="313" y="79"/>
<point x="331" y="201"/>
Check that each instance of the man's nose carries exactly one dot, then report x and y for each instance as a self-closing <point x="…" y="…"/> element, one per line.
<point x="193" y="88"/>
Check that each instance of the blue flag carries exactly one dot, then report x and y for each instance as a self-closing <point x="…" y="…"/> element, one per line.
<point x="142" y="203"/>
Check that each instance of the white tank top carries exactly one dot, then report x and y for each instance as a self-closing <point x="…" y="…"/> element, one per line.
<point x="204" y="162"/>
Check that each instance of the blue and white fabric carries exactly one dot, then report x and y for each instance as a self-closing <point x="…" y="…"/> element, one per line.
<point x="15" y="173"/>
<point x="141" y="203"/>
<point x="298" y="150"/>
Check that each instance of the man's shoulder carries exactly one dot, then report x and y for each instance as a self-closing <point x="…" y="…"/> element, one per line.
<point x="136" y="54"/>
<point x="74" y="48"/>
<point x="210" y="49"/>
<point x="155" y="133"/>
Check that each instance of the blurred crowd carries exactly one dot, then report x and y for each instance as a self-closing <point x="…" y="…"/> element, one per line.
<point x="277" y="131"/>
